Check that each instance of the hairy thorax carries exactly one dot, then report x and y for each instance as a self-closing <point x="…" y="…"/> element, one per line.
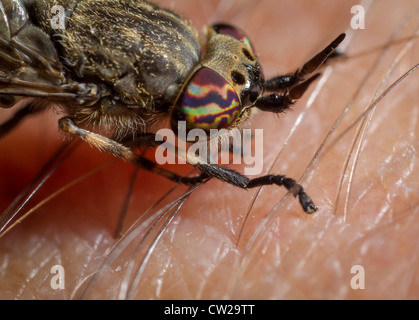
<point x="143" y="54"/>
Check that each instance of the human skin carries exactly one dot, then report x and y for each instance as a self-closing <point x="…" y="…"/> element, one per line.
<point x="282" y="253"/>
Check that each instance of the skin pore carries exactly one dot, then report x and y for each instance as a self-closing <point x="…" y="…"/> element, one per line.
<point x="203" y="251"/>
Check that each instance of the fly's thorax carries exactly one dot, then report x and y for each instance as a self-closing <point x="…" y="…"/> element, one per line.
<point x="143" y="52"/>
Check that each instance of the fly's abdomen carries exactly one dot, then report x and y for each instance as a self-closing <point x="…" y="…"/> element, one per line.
<point x="144" y="52"/>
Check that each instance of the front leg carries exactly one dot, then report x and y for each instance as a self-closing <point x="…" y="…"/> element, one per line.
<point x="239" y="180"/>
<point x="207" y="170"/>
<point x="278" y="103"/>
<point x="121" y="151"/>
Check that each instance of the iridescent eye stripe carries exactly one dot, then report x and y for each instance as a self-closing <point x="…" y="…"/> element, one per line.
<point x="209" y="102"/>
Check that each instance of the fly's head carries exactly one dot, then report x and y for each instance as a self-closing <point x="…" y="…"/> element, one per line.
<point x="223" y="86"/>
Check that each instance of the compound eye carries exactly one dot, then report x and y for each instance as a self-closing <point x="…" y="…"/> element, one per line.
<point x="234" y="32"/>
<point x="207" y="102"/>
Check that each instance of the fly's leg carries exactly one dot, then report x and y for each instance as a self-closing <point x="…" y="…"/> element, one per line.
<point x="278" y="103"/>
<point x="292" y="87"/>
<point x="239" y="180"/>
<point x="207" y="170"/>
<point x="124" y="150"/>
<point x="17" y="117"/>
<point x="144" y="140"/>
<point x="121" y="151"/>
<point x="290" y="184"/>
